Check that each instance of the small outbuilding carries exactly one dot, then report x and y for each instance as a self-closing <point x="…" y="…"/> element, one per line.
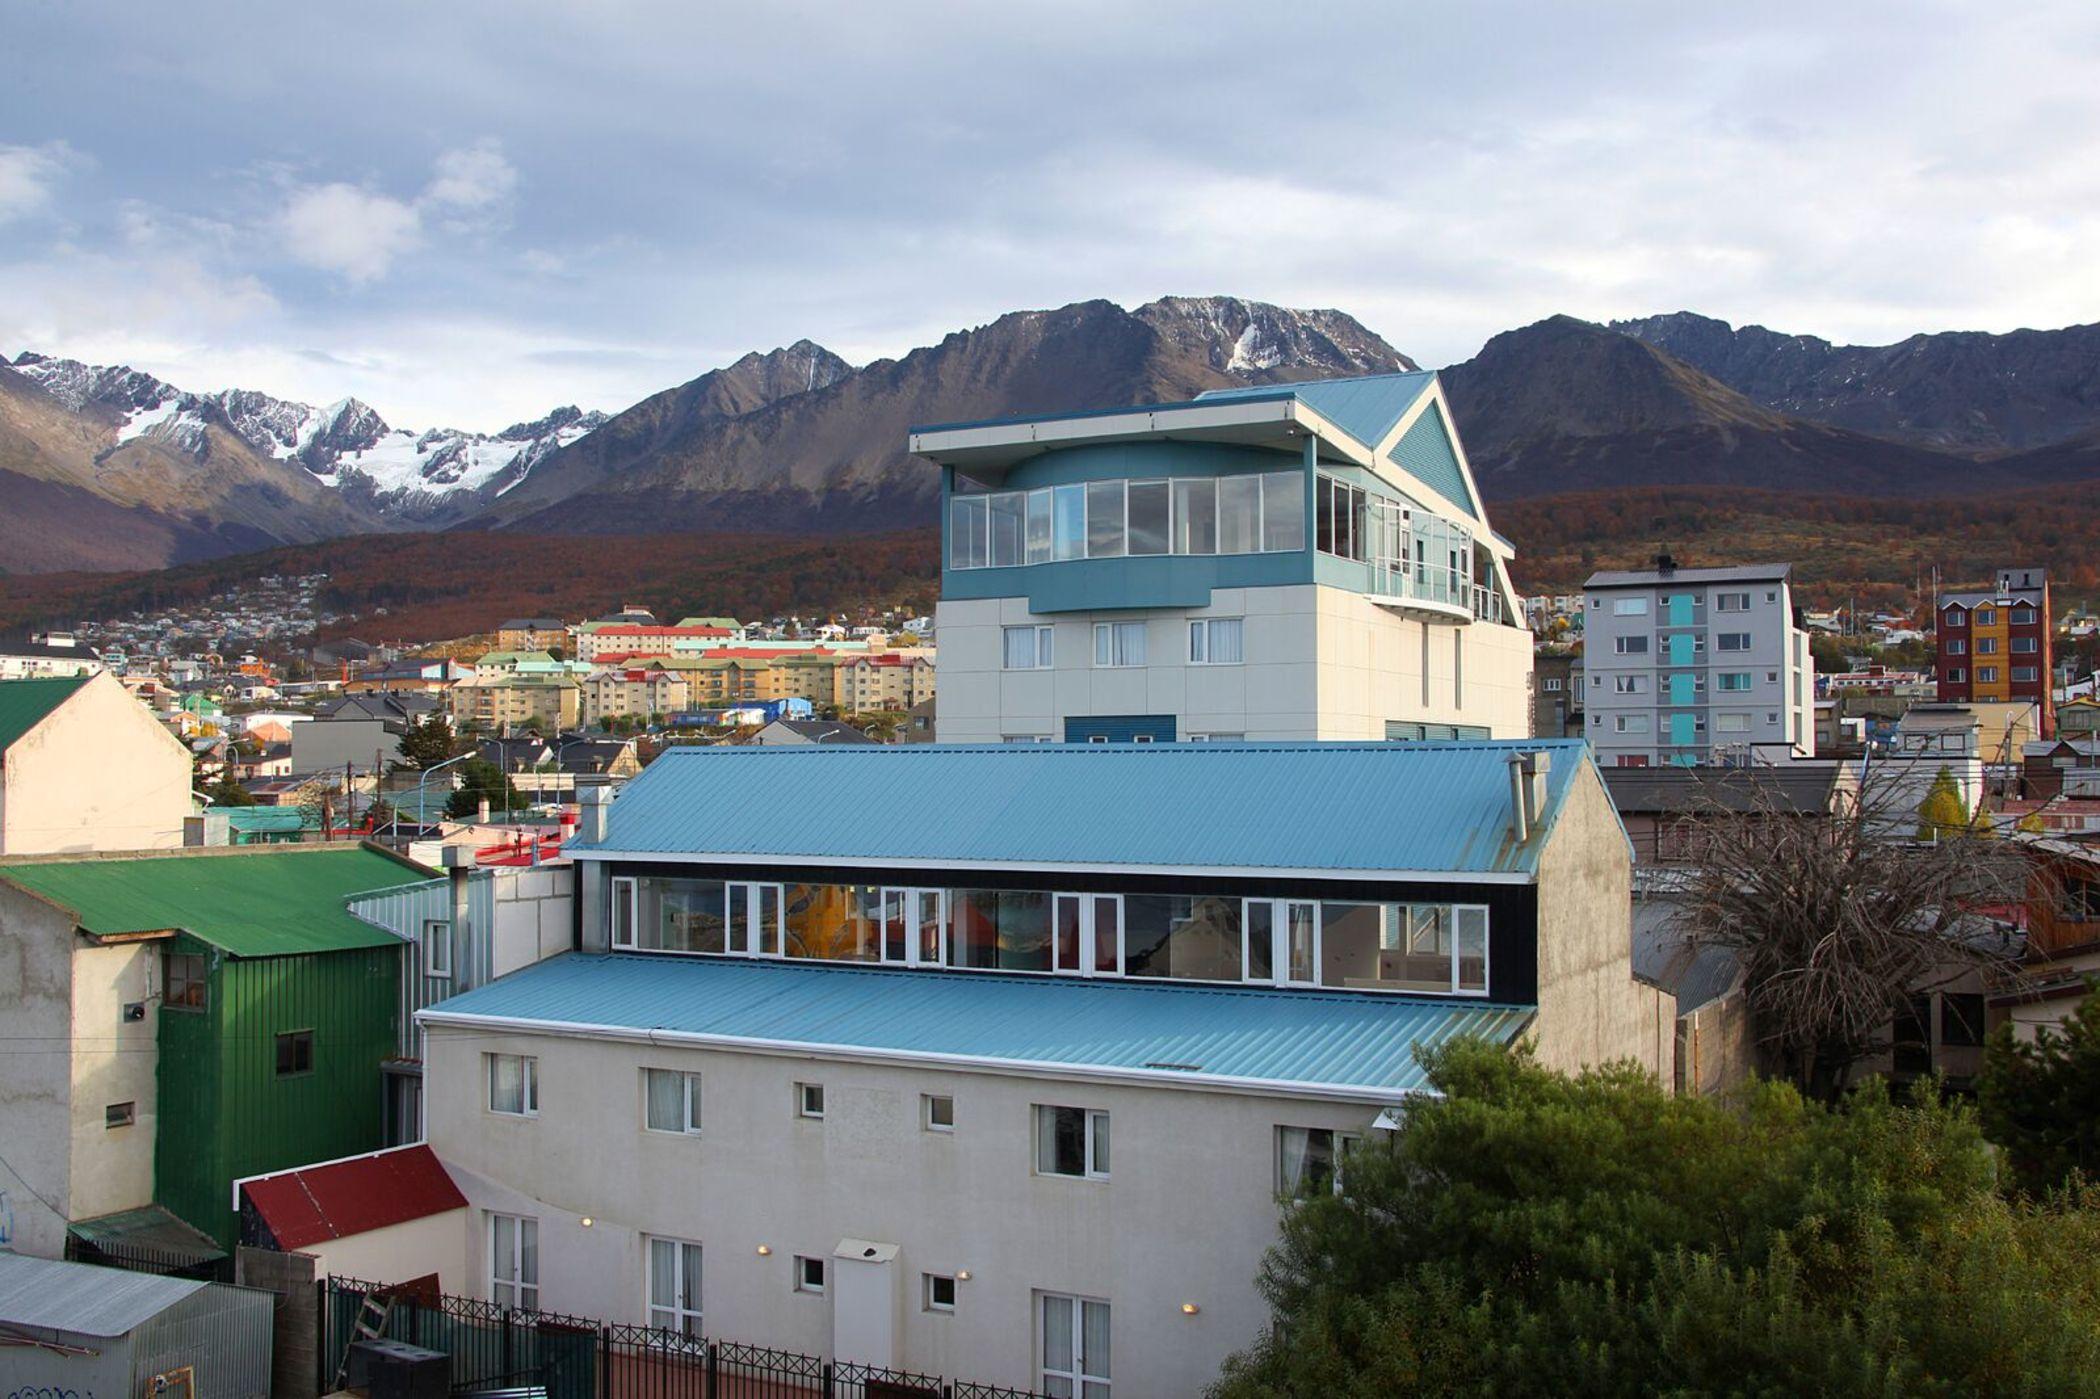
<point x="71" y="1328"/>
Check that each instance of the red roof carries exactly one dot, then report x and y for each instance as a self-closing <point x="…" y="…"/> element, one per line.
<point x="637" y="629"/>
<point x="318" y="1203"/>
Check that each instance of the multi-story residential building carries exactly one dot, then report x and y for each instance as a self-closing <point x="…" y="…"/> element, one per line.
<point x="620" y="692"/>
<point x="52" y="654"/>
<point x="1299" y="561"/>
<point x="1696" y="665"/>
<point x="1007" y="1083"/>
<point x="505" y="701"/>
<point x="84" y="766"/>
<point x="532" y="634"/>
<point x="888" y="681"/>
<point x="1556" y="702"/>
<point x="1997" y="644"/>
<point x="598" y="639"/>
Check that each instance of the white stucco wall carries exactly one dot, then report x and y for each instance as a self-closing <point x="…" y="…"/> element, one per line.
<point x="98" y="773"/>
<point x="1186" y="1216"/>
<point x="436" y="1243"/>
<point x="534" y="915"/>
<point x="36" y="1091"/>
<point x="114" y="1061"/>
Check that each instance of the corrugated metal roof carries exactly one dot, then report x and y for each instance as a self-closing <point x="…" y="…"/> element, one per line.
<point x="1365" y="407"/>
<point x="317" y="1203"/>
<point x="257" y="901"/>
<point x="82" y="1298"/>
<point x="1346" y="1042"/>
<point x="24" y="703"/>
<point x="1655" y="578"/>
<point x="1427" y="453"/>
<point x="153" y="1227"/>
<point x="1393" y="808"/>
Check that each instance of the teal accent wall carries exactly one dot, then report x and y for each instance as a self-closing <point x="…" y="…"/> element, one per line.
<point x="1425" y="452"/>
<point x="1681" y="689"/>
<point x="1680" y="610"/>
<point x="1681" y="649"/>
<point x="1120" y="728"/>
<point x="1683" y="730"/>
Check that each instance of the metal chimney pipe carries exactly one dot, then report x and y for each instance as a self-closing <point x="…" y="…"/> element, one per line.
<point x="1519" y="817"/>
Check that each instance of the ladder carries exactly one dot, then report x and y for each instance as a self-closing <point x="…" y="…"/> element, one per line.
<point x="370" y="1325"/>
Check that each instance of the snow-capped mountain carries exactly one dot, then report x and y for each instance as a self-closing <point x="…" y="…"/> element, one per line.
<point x="432" y="476"/>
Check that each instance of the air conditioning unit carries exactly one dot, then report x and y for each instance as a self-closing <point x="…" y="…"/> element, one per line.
<point x="397" y="1370"/>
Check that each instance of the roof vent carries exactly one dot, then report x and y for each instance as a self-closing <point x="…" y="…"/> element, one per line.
<point x="1665" y="562"/>
<point x="1527" y="792"/>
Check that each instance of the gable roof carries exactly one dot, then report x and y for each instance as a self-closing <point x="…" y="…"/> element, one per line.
<point x="1403" y="810"/>
<point x="336" y="1199"/>
<point x="260" y="901"/>
<point x="1366" y="406"/>
<point x="26" y="703"/>
<point x="1802" y="786"/>
<point x="1654" y="578"/>
<point x="820" y="730"/>
<point x="1348" y="1044"/>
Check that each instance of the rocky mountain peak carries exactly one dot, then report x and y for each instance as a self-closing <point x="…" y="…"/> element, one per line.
<point x="1256" y="339"/>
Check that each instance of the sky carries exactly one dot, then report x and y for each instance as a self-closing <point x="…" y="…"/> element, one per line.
<point x="470" y="212"/>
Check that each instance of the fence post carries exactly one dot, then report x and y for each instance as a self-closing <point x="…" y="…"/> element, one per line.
<point x="324" y="1302"/>
<point x="604" y="1362"/>
<point x="714" y="1369"/>
<point x="510" y="1364"/>
<point x="829" y="1392"/>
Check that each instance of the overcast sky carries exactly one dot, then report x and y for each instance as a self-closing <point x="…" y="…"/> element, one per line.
<point x="466" y="213"/>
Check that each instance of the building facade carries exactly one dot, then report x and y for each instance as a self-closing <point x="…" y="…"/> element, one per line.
<point x="84" y="766"/>
<point x="885" y="682"/>
<point x="1691" y="666"/>
<point x="1305" y="561"/>
<point x="1997" y="645"/>
<point x="1007" y="1084"/>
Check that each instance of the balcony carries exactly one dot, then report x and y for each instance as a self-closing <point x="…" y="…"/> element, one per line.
<point x="1439" y="594"/>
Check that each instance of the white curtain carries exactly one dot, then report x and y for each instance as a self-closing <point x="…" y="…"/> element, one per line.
<point x="666" y="1092"/>
<point x="1094" y="1348"/>
<point x="1057" y="1347"/>
<point x="1292" y="1146"/>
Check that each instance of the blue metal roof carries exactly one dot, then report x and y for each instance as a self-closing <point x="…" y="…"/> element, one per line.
<point x="1426" y="454"/>
<point x="1349" y="1043"/>
<point x="1365" y="407"/>
<point x="1269" y="392"/>
<point x="1432" y="810"/>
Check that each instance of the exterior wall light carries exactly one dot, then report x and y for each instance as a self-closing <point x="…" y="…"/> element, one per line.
<point x="962" y="1275"/>
<point x="587" y="1221"/>
<point x="1189" y="1309"/>
<point x="765" y="1250"/>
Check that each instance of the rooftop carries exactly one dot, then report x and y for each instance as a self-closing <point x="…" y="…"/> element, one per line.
<point x="1803" y="786"/>
<point x="1402" y="810"/>
<point x="1350" y="1044"/>
<point x="81" y="1298"/>
<point x="25" y="703"/>
<point x="1655" y="577"/>
<point x="313" y="1204"/>
<point x="252" y="901"/>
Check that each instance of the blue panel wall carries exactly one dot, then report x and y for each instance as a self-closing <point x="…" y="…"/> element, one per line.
<point x="1120" y="728"/>
<point x="1425" y="452"/>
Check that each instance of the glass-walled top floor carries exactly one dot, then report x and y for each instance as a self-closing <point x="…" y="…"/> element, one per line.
<point x="1429" y="948"/>
<point x="1253" y="513"/>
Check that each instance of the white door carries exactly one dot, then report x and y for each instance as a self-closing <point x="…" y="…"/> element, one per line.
<point x="754" y="919"/>
<point x="914" y="927"/>
<point x="1075" y="1347"/>
<point x="1086" y="934"/>
<point x="1282" y="942"/>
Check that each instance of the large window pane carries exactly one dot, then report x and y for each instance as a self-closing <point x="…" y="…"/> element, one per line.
<point x="1008" y="511"/>
<point x="834" y="922"/>
<point x="682" y="915"/>
<point x="973" y="928"/>
<point x="1069" y="526"/>
<point x="1472" y="949"/>
<point x="1039" y="531"/>
<point x="1196" y="516"/>
<point x="1360" y="948"/>
<point x="967" y="527"/>
<point x="1260" y="919"/>
<point x="1239" y="514"/>
<point x="1196" y="938"/>
<point x="1104" y="519"/>
<point x="1024" y="931"/>
<point x="1282" y="510"/>
<point x="1148" y="517"/>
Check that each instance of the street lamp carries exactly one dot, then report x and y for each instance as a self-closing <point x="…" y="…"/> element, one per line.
<point x="423" y="812"/>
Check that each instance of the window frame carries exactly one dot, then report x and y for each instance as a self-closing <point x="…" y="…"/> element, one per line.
<point x="1721" y="640"/>
<point x="518" y="1226"/>
<point x="689" y="1103"/>
<point x="294" y="1040"/>
<point x="927" y="1301"/>
<point x="1076" y="1379"/>
<point x="119" y="1115"/>
<point x="1094" y="1140"/>
<point x="201" y="981"/>
<point x="629" y="900"/>
<point x="1044" y="653"/>
<point x="803" y="1089"/>
<point x="1202" y="652"/>
<point x="1113" y="634"/>
<point x="528" y="1083"/>
<point x="1341" y="1143"/>
<point x="800" y="1275"/>
<point x="687" y="1302"/>
<point x="435" y="967"/>
<point x="928" y="1113"/>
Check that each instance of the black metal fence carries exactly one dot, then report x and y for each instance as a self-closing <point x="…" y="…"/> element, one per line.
<point x="140" y="1258"/>
<point x="494" y="1348"/>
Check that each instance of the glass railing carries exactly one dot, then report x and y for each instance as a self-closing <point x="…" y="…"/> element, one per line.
<point x="1398" y="579"/>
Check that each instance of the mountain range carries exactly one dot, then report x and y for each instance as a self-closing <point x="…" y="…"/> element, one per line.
<point x="110" y="468"/>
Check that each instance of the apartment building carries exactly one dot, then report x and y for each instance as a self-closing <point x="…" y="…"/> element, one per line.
<point x="1696" y="665"/>
<point x="504" y="701"/>
<point x="1007" y="1083"/>
<point x="1996" y="644"/>
<point x="885" y="682"/>
<point x="620" y="692"/>
<point x="1299" y="561"/>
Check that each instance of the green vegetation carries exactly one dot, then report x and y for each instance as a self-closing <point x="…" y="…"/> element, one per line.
<point x="481" y="779"/>
<point x="427" y="742"/>
<point x="1529" y="1233"/>
<point x="1942" y="813"/>
<point x="2040" y="1100"/>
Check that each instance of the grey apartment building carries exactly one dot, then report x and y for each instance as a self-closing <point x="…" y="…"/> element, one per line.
<point x="1696" y="665"/>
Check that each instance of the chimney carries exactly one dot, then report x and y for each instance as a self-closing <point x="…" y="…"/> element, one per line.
<point x="1536" y="766"/>
<point x="458" y="863"/>
<point x="1519" y="817"/>
<point x="594" y="821"/>
<point x="482" y="812"/>
<point x="1665" y="563"/>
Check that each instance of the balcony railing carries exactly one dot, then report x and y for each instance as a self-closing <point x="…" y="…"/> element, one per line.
<point x="1403" y="581"/>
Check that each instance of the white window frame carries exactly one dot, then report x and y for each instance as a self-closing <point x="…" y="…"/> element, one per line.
<point x="926" y="1113"/>
<point x="1088" y="929"/>
<point x="753" y="894"/>
<point x="1629" y="684"/>
<point x="1076" y="1381"/>
<point x="1721" y="640"/>
<point x="528" y="1084"/>
<point x="1629" y="723"/>
<point x="2026" y="674"/>
<point x="685" y="1305"/>
<point x="1203" y="640"/>
<point x="912" y="898"/>
<point x="1045" y="652"/>
<point x="1279" y="943"/>
<point x="1629" y="607"/>
<point x="1111" y="633"/>
<point x="926" y="1297"/>
<point x="802" y="1100"/>
<point x="1629" y="645"/>
<point x="437" y="948"/>
<point x="625" y="896"/>
<point x="1344" y="1142"/>
<point x="1731" y="602"/>
<point x="1986" y="675"/>
<point x="1096" y="1119"/>
<point x="513" y="1291"/>
<point x="689" y="1100"/>
<point x="801" y="1279"/>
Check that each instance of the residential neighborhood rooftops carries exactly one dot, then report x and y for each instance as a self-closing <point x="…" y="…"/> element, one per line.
<point x="1349" y="1044"/>
<point x="251" y="902"/>
<point x="313" y="1204"/>
<point x="1399" y="809"/>
<point x="26" y="703"/>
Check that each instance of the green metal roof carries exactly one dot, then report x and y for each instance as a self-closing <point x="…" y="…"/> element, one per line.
<point x="275" y="902"/>
<point x="24" y="703"/>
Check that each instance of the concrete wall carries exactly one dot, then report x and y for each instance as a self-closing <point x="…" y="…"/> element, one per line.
<point x="1185" y="1217"/>
<point x="535" y="915"/>
<point x="1320" y="663"/>
<point x="1716" y="1046"/>
<point x="99" y="773"/>
<point x="437" y="1244"/>
<point x="293" y="1366"/>
<point x="36" y="1090"/>
<point x="114" y="1061"/>
<point x="1591" y="1009"/>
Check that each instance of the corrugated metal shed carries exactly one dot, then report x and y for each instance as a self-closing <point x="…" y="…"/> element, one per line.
<point x="24" y="703"/>
<point x="317" y="1203"/>
<point x="1437" y="809"/>
<point x="87" y="1300"/>
<point x="257" y="902"/>
<point x="1348" y="1044"/>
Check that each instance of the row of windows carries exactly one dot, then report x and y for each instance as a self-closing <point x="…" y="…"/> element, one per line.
<point x="1249" y="514"/>
<point x="1735" y="722"/>
<point x="1958" y="616"/>
<point x="1988" y="645"/>
<point x="1211" y="641"/>
<point x="1728" y="601"/>
<point x="1988" y="674"/>
<point x="1424" y="948"/>
<point x="1723" y="641"/>
<point x="1731" y="681"/>
<point x="1350" y="522"/>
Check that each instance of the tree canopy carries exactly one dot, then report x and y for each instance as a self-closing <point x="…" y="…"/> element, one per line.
<point x="2040" y="1099"/>
<point x="481" y="779"/>
<point x="1528" y="1232"/>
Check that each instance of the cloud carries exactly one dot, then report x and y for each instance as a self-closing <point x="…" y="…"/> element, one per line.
<point x="355" y="232"/>
<point x="472" y="178"/>
<point x="27" y="174"/>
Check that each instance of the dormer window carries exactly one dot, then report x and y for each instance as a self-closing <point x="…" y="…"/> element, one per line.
<point x="1956" y="615"/>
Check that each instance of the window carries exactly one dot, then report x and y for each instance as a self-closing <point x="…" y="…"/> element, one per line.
<point x="622" y="909"/>
<point x="1148" y="532"/>
<point x="1731" y="602"/>
<point x="1029" y="648"/>
<point x="1961" y="1019"/>
<point x="1629" y="684"/>
<point x="1217" y="738"/>
<point x="1630" y="645"/>
<point x="1104" y="519"/>
<point x="1629" y="723"/>
<point x="514" y="1262"/>
<point x="1955" y="646"/>
<point x="1215" y="641"/>
<point x="2023" y="617"/>
<point x="1309" y="1160"/>
<point x="1986" y="616"/>
<point x="1956" y="617"/>
<point x="968" y="530"/>
<point x="1732" y="680"/>
<point x="1282" y="511"/>
<point x="1956" y="675"/>
<point x="1037" y="532"/>
<point x="1629" y="607"/>
<point x="1552" y="687"/>
<point x="437" y="947"/>
<point x="671" y="1101"/>
<point x="1441" y="949"/>
<point x="1986" y="675"/>
<point x="120" y="1115"/>
<point x="2025" y="645"/>
<point x="514" y="1084"/>
<point x="1068" y="523"/>
<point x="809" y="1274"/>
<point x="937" y="1112"/>
<point x="183" y="977"/>
<point x="1732" y="723"/>
<point x="1986" y="645"/>
<point x="295" y="1053"/>
<point x="1732" y="641"/>
<point x="674" y="1286"/>
<point x="1075" y="1347"/>
<point x="1009" y="513"/>
<point x="809" y="1101"/>
<point x="2025" y="673"/>
<point x="1071" y="1142"/>
<point x="1119" y="644"/>
<point x="937" y="1293"/>
<point x="1239" y="514"/>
